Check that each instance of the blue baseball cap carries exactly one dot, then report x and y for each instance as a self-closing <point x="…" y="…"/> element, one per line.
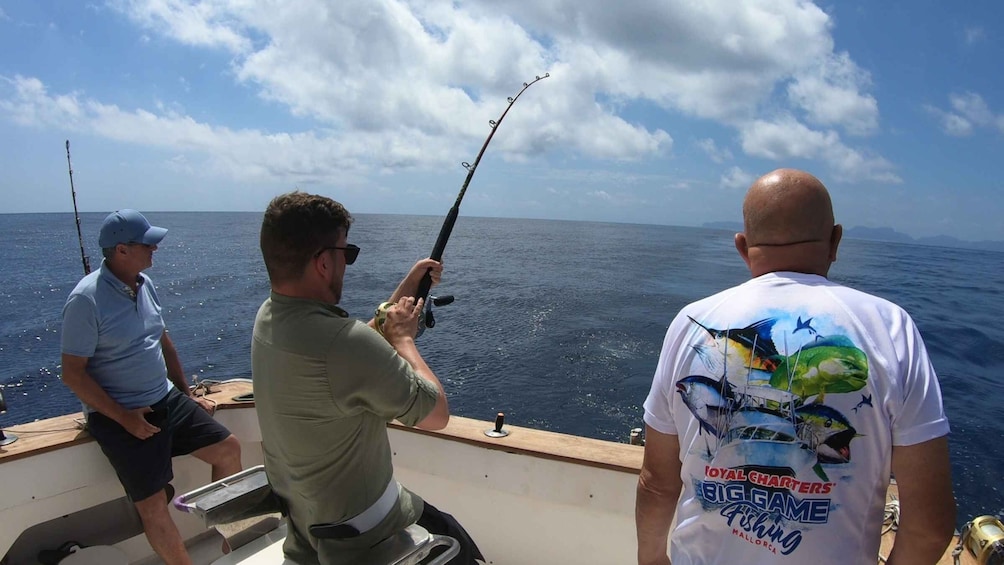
<point x="128" y="226"/>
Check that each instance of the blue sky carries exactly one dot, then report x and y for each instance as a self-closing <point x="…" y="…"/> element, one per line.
<point x="655" y="112"/>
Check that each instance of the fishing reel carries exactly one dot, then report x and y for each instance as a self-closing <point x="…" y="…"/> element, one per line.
<point x="983" y="536"/>
<point x="425" y="319"/>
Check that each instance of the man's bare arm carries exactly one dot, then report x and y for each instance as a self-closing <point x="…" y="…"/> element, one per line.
<point x="90" y="392"/>
<point x="659" y="486"/>
<point x="177" y="374"/>
<point x="410" y="283"/>
<point x="399" y="331"/>
<point x="87" y="390"/>
<point x="173" y="362"/>
<point x="927" y="506"/>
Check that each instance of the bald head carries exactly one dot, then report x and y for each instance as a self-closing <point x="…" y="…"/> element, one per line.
<point x="787" y="206"/>
<point x="788" y="221"/>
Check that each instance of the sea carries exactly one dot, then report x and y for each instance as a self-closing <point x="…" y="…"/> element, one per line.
<point x="557" y="324"/>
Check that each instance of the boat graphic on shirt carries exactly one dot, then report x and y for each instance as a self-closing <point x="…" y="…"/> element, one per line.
<point x="759" y="390"/>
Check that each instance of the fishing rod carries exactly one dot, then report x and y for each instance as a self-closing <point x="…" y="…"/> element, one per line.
<point x="426" y="319"/>
<point x="73" y="193"/>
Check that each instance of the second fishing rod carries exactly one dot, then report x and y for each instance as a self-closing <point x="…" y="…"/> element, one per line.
<point x="427" y="319"/>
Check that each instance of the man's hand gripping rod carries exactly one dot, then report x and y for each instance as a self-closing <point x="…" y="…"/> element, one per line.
<point x="427" y="319"/>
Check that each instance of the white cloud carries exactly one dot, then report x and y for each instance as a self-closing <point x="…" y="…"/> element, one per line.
<point x="31" y="105"/>
<point x="384" y="63"/>
<point x="952" y="124"/>
<point x="957" y="125"/>
<point x="3" y="15"/>
<point x="246" y="154"/>
<point x="786" y="138"/>
<point x="717" y="154"/>
<point x="715" y="59"/>
<point x="973" y="107"/>
<point x="975" y="34"/>
<point x="205" y="24"/>
<point x="969" y="112"/>
<point x="830" y="94"/>
<point x="736" y="178"/>
<point x="401" y="84"/>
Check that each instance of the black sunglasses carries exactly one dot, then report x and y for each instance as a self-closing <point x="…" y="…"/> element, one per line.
<point x="351" y="252"/>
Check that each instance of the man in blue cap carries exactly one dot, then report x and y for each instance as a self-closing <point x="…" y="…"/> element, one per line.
<point x="120" y="362"/>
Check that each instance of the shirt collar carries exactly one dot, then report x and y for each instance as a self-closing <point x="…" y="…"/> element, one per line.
<point x="106" y="275"/>
<point x="283" y="299"/>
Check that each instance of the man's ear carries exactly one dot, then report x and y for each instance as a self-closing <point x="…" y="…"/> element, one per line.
<point x="835" y="236"/>
<point x="319" y="264"/>
<point x="742" y="246"/>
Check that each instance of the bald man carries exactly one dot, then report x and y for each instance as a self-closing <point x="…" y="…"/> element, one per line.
<point x="779" y="407"/>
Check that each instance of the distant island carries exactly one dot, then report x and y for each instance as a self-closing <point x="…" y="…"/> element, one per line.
<point x="889" y="234"/>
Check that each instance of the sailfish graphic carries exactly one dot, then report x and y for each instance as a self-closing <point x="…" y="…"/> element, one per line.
<point x="752" y="344"/>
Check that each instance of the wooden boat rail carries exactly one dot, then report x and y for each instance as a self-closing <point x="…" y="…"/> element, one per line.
<point x="66" y="431"/>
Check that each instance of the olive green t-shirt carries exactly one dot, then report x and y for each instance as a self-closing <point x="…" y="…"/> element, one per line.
<point x="325" y="386"/>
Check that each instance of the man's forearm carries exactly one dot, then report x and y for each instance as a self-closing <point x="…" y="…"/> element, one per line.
<point x="90" y="393"/>
<point x="177" y="377"/>
<point x="406" y="287"/>
<point x="927" y="506"/>
<point x="654" y="511"/>
<point x="175" y="372"/>
<point x="916" y="550"/>
<point x="916" y="544"/>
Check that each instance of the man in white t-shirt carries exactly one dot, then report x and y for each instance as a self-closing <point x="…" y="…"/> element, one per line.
<point x="780" y="407"/>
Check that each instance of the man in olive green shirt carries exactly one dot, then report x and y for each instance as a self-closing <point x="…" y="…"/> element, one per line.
<point x="326" y="385"/>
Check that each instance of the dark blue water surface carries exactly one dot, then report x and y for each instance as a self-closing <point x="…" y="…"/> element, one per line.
<point x="557" y="324"/>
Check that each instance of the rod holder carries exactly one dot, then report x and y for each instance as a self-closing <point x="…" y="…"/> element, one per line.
<point x="498" y="431"/>
<point x="6" y="439"/>
<point x="636" y="438"/>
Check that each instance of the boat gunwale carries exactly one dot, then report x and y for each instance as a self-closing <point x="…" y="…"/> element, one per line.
<point x="65" y="431"/>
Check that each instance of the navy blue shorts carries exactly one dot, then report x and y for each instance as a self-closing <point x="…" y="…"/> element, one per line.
<point x="144" y="465"/>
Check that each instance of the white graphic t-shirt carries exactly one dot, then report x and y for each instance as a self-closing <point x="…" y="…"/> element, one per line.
<point x="787" y="393"/>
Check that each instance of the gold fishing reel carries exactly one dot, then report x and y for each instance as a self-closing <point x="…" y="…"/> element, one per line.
<point x="983" y="536"/>
<point x="425" y="318"/>
<point x="380" y="316"/>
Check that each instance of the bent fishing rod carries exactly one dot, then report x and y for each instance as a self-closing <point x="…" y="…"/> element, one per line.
<point x="427" y="320"/>
<point x="73" y="193"/>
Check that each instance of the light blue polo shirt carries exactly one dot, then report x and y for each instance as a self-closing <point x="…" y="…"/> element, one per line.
<point x="120" y="335"/>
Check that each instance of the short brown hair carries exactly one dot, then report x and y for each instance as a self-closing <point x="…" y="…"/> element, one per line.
<point x="295" y="226"/>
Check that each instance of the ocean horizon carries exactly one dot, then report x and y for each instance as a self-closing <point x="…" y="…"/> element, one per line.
<point x="865" y="233"/>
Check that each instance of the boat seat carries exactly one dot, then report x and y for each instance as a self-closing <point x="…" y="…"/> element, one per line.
<point x="243" y="508"/>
